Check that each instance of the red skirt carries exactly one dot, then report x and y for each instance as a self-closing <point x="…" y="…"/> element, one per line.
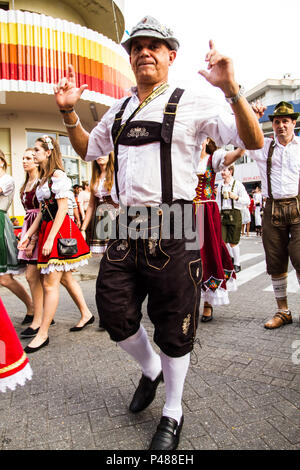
<point x="54" y="261"/>
<point x="218" y="272"/>
<point x="14" y="366"/>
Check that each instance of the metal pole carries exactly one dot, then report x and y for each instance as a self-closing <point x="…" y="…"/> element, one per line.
<point x="115" y="20"/>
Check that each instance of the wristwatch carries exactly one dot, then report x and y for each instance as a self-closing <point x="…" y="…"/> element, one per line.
<point x="234" y="99"/>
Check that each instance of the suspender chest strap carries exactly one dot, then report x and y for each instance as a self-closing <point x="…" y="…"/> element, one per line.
<point x="135" y="133"/>
<point x="269" y="166"/>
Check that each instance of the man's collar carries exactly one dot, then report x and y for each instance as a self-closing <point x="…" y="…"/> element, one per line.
<point x="134" y="89"/>
<point x="292" y="141"/>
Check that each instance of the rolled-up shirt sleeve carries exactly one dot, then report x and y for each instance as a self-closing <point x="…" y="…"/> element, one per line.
<point x="216" y="121"/>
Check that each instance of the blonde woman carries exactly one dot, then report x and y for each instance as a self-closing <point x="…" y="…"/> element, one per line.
<point x="9" y="264"/>
<point x="100" y="210"/>
<point x="53" y="223"/>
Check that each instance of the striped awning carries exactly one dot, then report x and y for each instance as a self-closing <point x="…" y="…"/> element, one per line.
<point x="35" y="51"/>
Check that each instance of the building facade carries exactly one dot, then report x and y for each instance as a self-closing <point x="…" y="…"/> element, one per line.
<point x="38" y="40"/>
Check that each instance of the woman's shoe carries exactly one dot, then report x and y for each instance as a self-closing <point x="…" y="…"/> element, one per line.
<point x="79" y="328"/>
<point x="206" y="318"/>
<point x="29" y="332"/>
<point x="27" y="319"/>
<point x="30" y="350"/>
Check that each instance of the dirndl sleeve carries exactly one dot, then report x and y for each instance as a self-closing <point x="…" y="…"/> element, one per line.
<point x="7" y="185"/>
<point x="14" y="366"/>
<point x="61" y="185"/>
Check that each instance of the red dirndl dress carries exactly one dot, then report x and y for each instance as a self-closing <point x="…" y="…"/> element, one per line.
<point x="68" y="229"/>
<point x="218" y="272"/>
<point x="14" y="366"/>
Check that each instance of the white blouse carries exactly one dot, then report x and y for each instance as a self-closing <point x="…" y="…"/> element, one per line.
<point x="61" y="185"/>
<point x="7" y="185"/>
<point x="101" y="190"/>
<point x="217" y="162"/>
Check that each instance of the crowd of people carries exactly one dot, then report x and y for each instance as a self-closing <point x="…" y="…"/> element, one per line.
<point x="158" y="149"/>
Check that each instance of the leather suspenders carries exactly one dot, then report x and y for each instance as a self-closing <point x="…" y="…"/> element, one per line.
<point x="163" y="133"/>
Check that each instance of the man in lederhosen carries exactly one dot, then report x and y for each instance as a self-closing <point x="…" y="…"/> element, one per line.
<point x="279" y="165"/>
<point x="231" y="198"/>
<point x="156" y="135"/>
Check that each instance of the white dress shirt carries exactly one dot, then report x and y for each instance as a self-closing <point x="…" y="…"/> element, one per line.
<point x="238" y="189"/>
<point x="139" y="175"/>
<point x="285" y="168"/>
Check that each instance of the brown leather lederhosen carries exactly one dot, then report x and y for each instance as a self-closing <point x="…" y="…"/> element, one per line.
<point x="281" y="227"/>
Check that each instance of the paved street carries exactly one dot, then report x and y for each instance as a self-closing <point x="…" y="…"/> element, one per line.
<point x="242" y="389"/>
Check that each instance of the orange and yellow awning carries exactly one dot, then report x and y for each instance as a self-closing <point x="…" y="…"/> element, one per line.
<point x="36" y="49"/>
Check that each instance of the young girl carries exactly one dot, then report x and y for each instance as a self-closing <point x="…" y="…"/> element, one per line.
<point x="53" y="223"/>
<point x="100" y="204"/>
<point x="218" y="273"/>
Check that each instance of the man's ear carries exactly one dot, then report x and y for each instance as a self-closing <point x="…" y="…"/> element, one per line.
<point x="172" y="57"/>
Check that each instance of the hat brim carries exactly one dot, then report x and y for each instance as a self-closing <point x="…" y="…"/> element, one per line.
<point x="293" y="116"/>
<point x="173" y="43"/>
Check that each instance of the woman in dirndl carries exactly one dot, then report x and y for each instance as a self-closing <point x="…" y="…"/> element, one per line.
<point x="9" y="264"/>
<point x="30" y="254"/>
<point x="14" y="366"/>
<point x="218" y="272"/>
<point x="101" y="209"/>
<point x="52" y="223"/>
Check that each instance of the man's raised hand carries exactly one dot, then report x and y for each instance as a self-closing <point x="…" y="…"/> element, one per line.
<point x="66" y="92"/>
<point x="220" y="71"/>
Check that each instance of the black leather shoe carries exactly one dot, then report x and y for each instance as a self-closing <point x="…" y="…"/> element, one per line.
<point x="30" y="350"/>
<point x="167" y="434"/>
<point x="237" y="268"/>
<point x="29" y="332"/>
<point x="79" y="328"/>
<point x="205" y="318"/>
<point x="145" y="393"/>
<point x="27" y="319"/>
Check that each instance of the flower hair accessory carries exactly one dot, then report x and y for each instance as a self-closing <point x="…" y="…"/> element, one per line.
<point x="48" y="142"/>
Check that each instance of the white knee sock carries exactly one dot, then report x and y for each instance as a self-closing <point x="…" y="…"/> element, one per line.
<point x="298" y="277"/>
<point x="174" y="371"/>
<point x="280" y="286"/>
<point x="139" y="347"/>
<point x="236" y="254"/>
<point x="229" y="248"/>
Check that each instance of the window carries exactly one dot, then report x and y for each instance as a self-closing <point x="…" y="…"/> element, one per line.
<point x="4" y="6"/>
<point x="76" y="169"/>
<point x="5" y="147"/>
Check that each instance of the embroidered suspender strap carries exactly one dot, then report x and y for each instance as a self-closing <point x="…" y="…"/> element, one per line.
<point x="269" y="166"/>
<point x="165" y="146"/>
<point x="118" y="128"/>
<point x="115" y="132"/>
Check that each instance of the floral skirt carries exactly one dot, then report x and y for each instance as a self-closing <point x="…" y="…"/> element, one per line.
<point x="218" y="272"/>
<point x="54" y="262"/>
<point x="14" y="366"/>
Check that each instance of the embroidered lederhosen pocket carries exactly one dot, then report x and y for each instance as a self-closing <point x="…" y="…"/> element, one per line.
<point x="227" y="216"/>
<point x="195" y="271"/>
<point x="154" y="250"/>
<point x="285" y="212"/>
<point x="118" y="250"/>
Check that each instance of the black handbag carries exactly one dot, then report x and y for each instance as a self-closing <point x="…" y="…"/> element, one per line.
<point x="66" y="247"/>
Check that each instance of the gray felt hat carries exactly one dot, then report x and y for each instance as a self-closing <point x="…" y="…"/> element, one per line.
<point x="150" y="27"/>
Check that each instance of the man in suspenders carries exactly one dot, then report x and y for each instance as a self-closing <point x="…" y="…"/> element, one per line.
<point x="156" y="135"/>
<point x="279" y="165"/>
<point x="231" y="197"/>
